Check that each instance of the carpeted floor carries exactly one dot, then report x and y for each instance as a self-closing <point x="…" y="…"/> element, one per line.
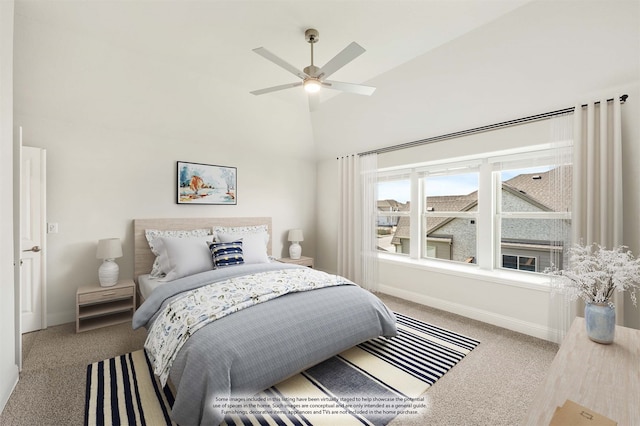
<point x="376" y="380"/>
<point x="491" y="386"/>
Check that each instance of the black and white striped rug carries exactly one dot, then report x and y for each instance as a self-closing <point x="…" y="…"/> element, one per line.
<point x="368" y="384"/>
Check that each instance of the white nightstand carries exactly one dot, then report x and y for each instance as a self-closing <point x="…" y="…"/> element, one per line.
<point x="304" y="261"/>
<point x="102" y="306"/>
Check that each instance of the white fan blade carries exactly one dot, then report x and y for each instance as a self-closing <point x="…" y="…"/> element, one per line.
<point x="358" y="89"/>
<point x="347" y="55"/>
<point x="275" y="88"/>
<point x="280" y="62"/>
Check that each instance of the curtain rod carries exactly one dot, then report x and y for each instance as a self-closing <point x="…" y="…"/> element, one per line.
<point x="481" y="129"/>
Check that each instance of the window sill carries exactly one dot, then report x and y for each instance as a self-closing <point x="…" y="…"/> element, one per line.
<point x="517" y="279"/>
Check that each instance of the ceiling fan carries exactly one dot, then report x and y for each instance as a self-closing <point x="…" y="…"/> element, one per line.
<point x="314" y="78"/>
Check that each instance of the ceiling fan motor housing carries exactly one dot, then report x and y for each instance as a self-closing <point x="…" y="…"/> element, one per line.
<point x="311" y="70"/>
<point x="311" y="35"/>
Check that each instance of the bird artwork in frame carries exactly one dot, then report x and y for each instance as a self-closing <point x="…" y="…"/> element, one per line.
<point x="206" y="184"/>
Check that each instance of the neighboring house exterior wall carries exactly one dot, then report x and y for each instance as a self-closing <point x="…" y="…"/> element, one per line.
<point x="389" y="206"/>
<point x="520" y="237"/>
<point x="387" y="220"/>
<point x="531" y="231"/>
<point x="463" y="238"/>
<point x="403" y="247"/>
<point x="439" y="249"/>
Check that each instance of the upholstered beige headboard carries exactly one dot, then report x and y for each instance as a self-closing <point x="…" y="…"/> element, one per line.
<point x="144" y="257"/>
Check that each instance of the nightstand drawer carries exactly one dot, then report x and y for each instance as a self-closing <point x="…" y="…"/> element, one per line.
<point x="106" y="294"/>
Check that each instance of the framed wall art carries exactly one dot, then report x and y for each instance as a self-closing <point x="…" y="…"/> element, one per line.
<point x="206" y="184"/>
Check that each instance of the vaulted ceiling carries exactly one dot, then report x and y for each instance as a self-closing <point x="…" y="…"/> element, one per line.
<point x="218" y="36"/>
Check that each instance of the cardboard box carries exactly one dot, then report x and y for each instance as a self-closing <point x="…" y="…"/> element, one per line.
<point x="573" y="414"/>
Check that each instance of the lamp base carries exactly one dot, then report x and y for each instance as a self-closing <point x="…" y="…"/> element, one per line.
<point x="295" y="250"/>
<point x="108" y="273"/>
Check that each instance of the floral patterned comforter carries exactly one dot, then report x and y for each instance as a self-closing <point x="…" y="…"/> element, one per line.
<point x="194" y="309"/>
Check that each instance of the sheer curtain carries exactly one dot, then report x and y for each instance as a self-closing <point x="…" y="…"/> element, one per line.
<point x="597" y="177"/>
<point x="369" y="215"/>
<point x="561" y="311"/>
<point x="357" y="257"/>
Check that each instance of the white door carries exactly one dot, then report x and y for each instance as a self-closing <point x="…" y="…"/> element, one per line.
<point x="32" y="238"/>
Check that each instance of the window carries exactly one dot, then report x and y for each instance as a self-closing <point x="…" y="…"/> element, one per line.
<point x="533" y="208"/>
<point x="393" y="225"/>
<point x="450" y="213"/>
<point x="493" y="212"/>
<point x="522" y="263"/>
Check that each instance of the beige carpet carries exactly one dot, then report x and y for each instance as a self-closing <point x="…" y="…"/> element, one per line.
<point x="492" y="387"/>
<point x="372" y="382"/>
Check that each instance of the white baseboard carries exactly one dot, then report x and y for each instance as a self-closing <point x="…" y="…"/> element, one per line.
<point x="514" y="324"/>
<point x="60" y="318"/>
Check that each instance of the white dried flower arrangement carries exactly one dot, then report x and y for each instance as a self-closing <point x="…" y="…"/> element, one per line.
<point x="595" y="273"/>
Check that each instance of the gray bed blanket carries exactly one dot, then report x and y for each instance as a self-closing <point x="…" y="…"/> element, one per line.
<point x="251" y="350"/>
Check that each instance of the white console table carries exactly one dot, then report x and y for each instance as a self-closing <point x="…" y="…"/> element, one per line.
<point x="604" y="378"/>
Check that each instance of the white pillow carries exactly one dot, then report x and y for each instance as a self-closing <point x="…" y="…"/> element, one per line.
<point x="181" y="257"/>
<point x="254" y="245"/>
<point x="154" y="234"/>
<point x="242" y="230"/>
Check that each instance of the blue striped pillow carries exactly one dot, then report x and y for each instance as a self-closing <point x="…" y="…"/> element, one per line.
<point x="226" y="254"/>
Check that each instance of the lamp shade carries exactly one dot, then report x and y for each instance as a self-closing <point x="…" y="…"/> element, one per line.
<point x="295" y="235"/>
<point x="109" y="248"/>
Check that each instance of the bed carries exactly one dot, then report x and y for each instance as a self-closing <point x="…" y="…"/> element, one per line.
<point x="294" y="318"/>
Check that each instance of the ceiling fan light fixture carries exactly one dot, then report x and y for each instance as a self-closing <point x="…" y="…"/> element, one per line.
<point x="313" y="78"/>
<point x="312" y="85"/>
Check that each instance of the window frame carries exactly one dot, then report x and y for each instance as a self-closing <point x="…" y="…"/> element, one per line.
<point x="539" y="156"/>
<point x="448" y="169"/>
<point x="518" y="263"/>
<point x="392" y="177"/>
<point x="488" y="238"/>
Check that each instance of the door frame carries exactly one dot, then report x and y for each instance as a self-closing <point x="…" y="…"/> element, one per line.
<point x="17" y="243"/>
<point x="17" y="240"/>
<point x="42" y="202"/>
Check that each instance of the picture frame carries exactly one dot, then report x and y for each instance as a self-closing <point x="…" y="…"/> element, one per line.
<point x="200" y="183"/>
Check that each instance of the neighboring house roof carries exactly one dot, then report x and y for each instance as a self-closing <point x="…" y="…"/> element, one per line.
<point x="442" y="203"/>
<point x="402" y="228"/>
<point x="389" y="205"/>
<point x="448" y="203"/>
<point x="541" y="187"/>
<point x="538" y="191"/>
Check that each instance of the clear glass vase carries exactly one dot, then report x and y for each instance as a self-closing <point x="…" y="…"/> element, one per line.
<point x="601" y="322"/>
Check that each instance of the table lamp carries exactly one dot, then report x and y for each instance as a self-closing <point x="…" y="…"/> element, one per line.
<point x="295" y="250"/>
<point x="108" y="250"/>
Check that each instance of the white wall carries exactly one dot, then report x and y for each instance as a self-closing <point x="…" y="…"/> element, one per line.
<point x="541" y="57"/>
<point x="115" y="121"/>
<point x="8" y="364"/>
